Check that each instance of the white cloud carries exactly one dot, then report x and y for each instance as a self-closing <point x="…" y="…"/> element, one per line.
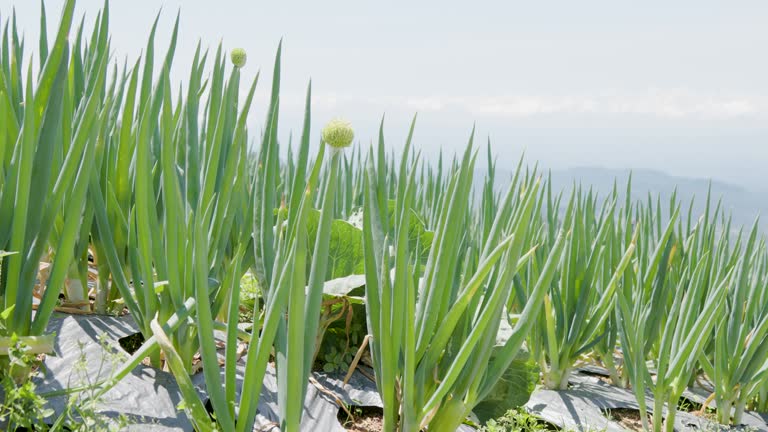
<point x="664" y="104"/>
<point x="425" y="104"/>
<point x="674" y="104"/>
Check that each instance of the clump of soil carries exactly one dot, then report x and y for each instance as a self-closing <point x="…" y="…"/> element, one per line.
<point x="366" y="419"/>
<point x="131" y="343"/>
<point x="628" y="418"/>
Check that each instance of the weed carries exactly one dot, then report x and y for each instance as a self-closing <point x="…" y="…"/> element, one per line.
<point x="517" y="421"/>
<point x="22" y="407"/>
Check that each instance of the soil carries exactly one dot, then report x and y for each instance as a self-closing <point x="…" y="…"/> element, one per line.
<point x="131" y="343"/>
<point x="605" y="379"/>
<point x="629" y="419"/>
<point x="366" y="419"/>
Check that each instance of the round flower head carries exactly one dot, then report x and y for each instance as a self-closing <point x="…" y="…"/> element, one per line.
<point x="338" y="133"/>
<point x="238" y="57"/>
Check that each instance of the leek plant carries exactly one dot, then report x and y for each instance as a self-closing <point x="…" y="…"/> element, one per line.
<point x="115" y="186"/>
<point x="697" y="302"/>
<point x="739" y="361"/>
<point x="85" y="66"/>
<point x="291" y="276"/>
<point x="431" y="371"/>
<point x="580" y="300"/>
<point x="185" y="178"/>
<point x="760" y="402"/>
<point x="605" y="350"/>
<point x="47" y="155"/>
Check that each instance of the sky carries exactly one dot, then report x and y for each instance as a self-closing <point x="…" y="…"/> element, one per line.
<point x="674" y="86"/>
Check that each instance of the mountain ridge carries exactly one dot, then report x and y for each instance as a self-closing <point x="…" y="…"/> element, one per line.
<point x="742" y="203"/>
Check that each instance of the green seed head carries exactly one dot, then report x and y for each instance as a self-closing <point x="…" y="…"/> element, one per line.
<point x="338" y="133"/>
<point x="238" y="57"/>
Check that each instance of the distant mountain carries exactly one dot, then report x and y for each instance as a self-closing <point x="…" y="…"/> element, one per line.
<point x="745" y="205"/>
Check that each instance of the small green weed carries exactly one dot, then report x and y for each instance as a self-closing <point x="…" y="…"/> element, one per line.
<point x="517" y="421"/>
<point x="22" y="406"/>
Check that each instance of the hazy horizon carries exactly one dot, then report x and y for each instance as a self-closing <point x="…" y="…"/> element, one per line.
<point x="678" y="88"/>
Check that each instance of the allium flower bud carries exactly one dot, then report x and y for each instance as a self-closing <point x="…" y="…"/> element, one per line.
<point x="338" y="133"/>
<point x="238" y="57"/>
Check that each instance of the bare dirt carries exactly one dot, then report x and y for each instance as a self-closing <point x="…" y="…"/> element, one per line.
<point x="366" y="419"/>
<point x="629" y="419"/>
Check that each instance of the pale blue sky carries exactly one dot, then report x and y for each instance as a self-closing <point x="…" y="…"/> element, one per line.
<point x="678" y="86"/>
